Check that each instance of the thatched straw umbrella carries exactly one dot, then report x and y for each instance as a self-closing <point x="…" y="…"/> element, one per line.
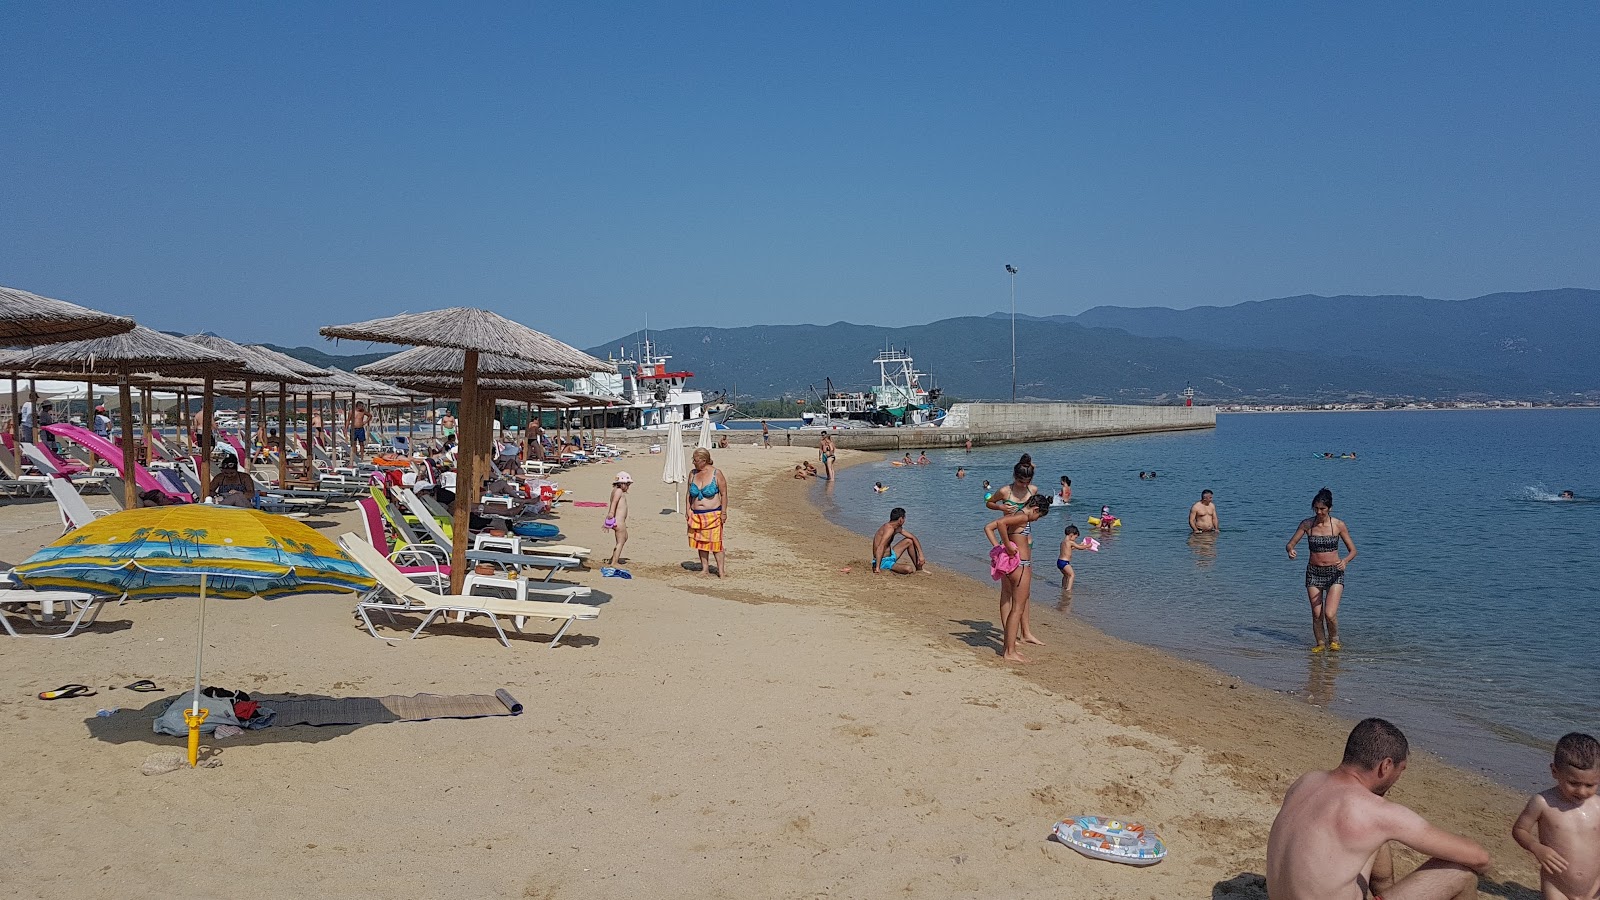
<point x="474" y="331"/>
<point x="28" y="320"/>
<point x="255" y="369"/>
<point x="132" y="353"/>
<point x="305" y="370"/>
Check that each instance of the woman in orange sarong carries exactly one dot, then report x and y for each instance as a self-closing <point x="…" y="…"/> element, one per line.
<point x="707" y="512"/>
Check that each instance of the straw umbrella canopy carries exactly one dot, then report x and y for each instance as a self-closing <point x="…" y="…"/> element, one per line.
<point x="141" y="350"/>
<point x="256" y="370"/>
<point x="475" y="332"/>
<point x="28" y="320"/>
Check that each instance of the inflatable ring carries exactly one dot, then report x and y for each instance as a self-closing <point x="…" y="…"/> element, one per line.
<point x="1112" y="840"/>
<point x="534" y="530"/>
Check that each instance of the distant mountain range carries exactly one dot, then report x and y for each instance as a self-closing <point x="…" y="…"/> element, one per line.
<point x="324" y="360"/>
<point x="1540" y="345"/>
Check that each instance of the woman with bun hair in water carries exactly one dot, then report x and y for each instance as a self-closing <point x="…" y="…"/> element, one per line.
<point x="1011" y="499"/>
<point x="1324" y="568"/>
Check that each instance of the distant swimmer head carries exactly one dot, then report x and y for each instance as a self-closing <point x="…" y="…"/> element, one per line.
<point x="1072" y="531"/>
<point x="1065" y="481"/>
<point x="1105" y="510"/>
<point x="1039" y="503"/>
<point x="1023" y="470"/>
<point x="1323" y="500"/>
<point x="1567" y="495"/>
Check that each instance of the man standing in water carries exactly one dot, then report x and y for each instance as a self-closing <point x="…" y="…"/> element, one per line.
<point x="359" y="418"/>
<point x="894" y="549"/>
<point x="1330" y="839"/>
<point x="1203" y="515"/>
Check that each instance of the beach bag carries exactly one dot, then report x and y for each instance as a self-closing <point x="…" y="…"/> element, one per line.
<point x="171" y="721"/>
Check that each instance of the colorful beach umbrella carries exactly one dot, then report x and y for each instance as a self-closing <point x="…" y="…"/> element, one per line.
<point x="194" y="551"/>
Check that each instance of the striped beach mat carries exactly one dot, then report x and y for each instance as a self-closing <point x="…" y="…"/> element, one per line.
<point x="298" y="710"/>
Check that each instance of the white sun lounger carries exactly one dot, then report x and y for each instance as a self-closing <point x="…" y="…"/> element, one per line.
<point x="75" y="513"/>
<point x="430" y="524"/>
<point x="22" y="601"/>
<point x="413" y="598"/>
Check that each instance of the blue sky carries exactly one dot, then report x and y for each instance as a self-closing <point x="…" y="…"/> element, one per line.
<point x="258" y="170"/>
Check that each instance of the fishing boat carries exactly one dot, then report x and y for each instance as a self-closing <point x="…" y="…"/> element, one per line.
<point x="898" y="400"/>
<point x="649" y="394"/>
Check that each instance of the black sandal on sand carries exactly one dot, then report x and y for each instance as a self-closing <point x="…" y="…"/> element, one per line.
<point x="143" y="686"/>
<point x="66" y="691"/>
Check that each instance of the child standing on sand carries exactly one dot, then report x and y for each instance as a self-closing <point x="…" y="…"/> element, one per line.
<point x="1064" y="557"/>
<point x="617" y="514"/>
<point x="1561" y="826"/>
<point x="1011" y="554"/>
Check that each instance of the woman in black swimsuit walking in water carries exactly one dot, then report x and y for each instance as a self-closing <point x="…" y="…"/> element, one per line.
<point x="1324" y="570"/>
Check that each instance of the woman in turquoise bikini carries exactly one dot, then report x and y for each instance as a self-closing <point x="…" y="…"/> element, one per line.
<point x="707" y="512"/>
<point x="1011" y="498"/>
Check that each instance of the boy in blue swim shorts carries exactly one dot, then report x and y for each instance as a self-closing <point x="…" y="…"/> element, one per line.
<point x="1069" y="543"/>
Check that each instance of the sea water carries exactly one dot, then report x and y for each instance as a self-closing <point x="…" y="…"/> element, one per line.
<point x="1468" y="618"/>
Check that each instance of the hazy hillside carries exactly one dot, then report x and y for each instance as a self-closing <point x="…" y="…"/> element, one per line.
<point x="1533" y="340"/>
<point x="324" y="360"/>
<point x="970" y="358"/>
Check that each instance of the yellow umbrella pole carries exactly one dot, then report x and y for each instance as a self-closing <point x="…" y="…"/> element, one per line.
<point x="196" y="715"/>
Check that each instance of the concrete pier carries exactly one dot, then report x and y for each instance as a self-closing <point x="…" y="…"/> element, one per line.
<point x="985" y="424"/>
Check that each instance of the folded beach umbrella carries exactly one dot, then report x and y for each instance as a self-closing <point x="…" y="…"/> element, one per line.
<point x="673" y="469"/>
<point x="705" y="432"/>
<point x="29" y="320"/>
<point x="194" y="551"/>
<point x="475" y="332"/>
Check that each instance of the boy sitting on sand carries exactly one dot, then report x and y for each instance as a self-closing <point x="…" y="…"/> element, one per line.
<point x="894" y="549"/>
<point x="1561" y="826"/>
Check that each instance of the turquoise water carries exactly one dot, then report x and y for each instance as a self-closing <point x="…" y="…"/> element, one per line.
<point x="1469" y="618"/>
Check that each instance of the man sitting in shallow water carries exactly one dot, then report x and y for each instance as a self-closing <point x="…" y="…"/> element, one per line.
<point x="1330" y="839"/>
<point x="894" y="549"/>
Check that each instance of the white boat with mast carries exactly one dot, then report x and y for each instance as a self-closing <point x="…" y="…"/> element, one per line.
<point x="898" y="400"/>
<point x="650" y="396"/>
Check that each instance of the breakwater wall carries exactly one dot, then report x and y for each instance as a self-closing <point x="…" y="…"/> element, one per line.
<point x="987" y="424"/>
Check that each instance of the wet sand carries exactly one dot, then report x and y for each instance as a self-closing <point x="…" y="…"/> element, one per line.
<point x="793" y="731"/>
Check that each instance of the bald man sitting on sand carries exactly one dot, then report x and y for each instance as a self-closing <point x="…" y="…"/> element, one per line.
<point x="1330" y="839"/>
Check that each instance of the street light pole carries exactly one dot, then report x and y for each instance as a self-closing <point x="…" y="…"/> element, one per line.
<point x="1013" y="272"/>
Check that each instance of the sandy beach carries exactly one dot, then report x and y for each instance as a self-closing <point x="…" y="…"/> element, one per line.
<point x="796" y="730"/>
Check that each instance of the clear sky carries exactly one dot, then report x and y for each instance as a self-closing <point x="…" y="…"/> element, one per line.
<point x="261" y="169"/>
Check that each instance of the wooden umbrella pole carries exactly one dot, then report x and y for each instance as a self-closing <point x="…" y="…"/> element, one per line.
<point x="283" y="434"/>
<point x="466" y="482"/>
<point x="183" y="417"/>
<point x="146" y="417"/>
<point x="249" y="439"/>
<point x="206" y="430"/>
<point x="130" y="486"/>
<point x="16" y="410"/>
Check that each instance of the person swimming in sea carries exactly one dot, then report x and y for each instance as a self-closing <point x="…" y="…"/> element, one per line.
<point x="988" y="492"/>
<point x="961" y="472"/>
<point x="1568" y="495"/>
<point x="1107" y="520"/>
<point x="922" y="458"/>
<point x="878" y="488"/>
